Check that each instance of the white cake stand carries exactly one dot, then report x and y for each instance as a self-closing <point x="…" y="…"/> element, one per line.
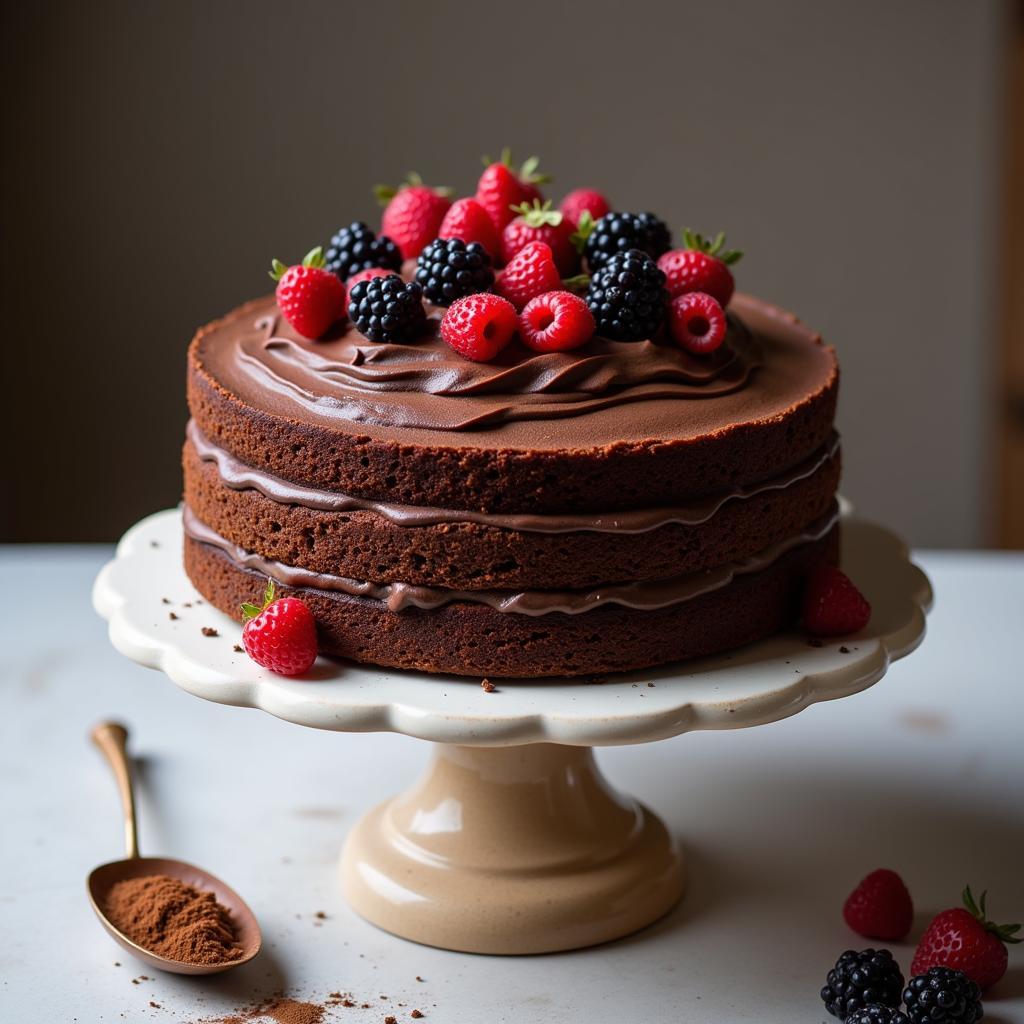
<point x="512" y="842"/>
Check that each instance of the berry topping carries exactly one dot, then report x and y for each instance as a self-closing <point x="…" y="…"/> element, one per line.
<point x="860" y="979"/>
<point x="387" y="309"/>
<point x="531" y="272"/>
<point x="962" y="938"/>
<point x="876" y="1013"/>
<point x="468" y="220"/>
<point x="880" y="907"/>
<point x="412" y="214"/>
<point x="703" y="266"/>
<point x="357" y="248"/>
<point x="539" y="223"/>
<point x="556" y="322"/>
<point x="500" y="188"/>
<point x="584" y="200"/>
<point x="942" y="996"/>
<point x="832" y="605"/>
<point x="697" y="322"/>
<point x="448" y="269"/>
<point x="479" y="326"/>
<point x="366" y="275"/>
<point x="310" y="298"/>
<point x="619" y="232"/>
<point x="280" y="634"/>
<point x="627" y="297"/>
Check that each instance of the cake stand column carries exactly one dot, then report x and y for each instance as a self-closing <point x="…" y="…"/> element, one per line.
<point x="521" y="849"/>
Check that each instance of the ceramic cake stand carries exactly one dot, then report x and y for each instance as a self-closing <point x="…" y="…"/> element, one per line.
<point x="512" y="842"/>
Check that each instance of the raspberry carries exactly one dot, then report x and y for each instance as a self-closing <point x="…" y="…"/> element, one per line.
<point x="280" y="635"/>
<point x="310" y="297"/>
<point x="357" y="248"/>
<point x="448" y="269"/>
<point x="860" y="979"/>
<point x="832" y="605"/>
<point x="627" y="297"/>
<point x="531" y="272"/>
<point x="468" y="220"/>
<point x="500" y="188"/>
<point x="539" y="223"/>
<point x="697" y="322"/>
<point x="880" y="907"/>
<point x="619" y="232"/>
<point x="584" y="199"/>
<point x="413" y="214"/>
<point x="942" y="996"/>
<point x="702" y="266"/>
<point x="556" y="322"/>
<point x="366" y="275"/>
<point x="386" y="309"/>
<point x="479" y="326"/>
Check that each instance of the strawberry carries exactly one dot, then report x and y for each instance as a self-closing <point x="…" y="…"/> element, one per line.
<point x="697" y="322"/>
<point x="539" y="223"/>
<point x="310" y="298"/>
<point x="556" y="322"/>
<point x="412" y="214"/>
<point x="832" y="605"/>
<point x="280" y="634"/>
<point x="366" y="275"/>
<point x="584" y="199"/>
<point x="500" y="188"/>
<point x="880" y="907"/>
<point x="468" y="220"/>
<point x="530" y="272"/>
<point x="702" y="266"/>
<point x="963" y="940"/>
<point x="479" y="326"/>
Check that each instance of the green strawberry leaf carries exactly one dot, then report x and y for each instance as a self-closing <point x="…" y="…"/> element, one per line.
<point x="584" y="229"/>
<point x="277" y="270"/>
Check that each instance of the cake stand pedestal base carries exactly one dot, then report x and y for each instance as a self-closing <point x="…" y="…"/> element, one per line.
<point x="523" y="849"/>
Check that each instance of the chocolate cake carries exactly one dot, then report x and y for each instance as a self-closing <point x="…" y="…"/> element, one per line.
<point x="563" y="513"/>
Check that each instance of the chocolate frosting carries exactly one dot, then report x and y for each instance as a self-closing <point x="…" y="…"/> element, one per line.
<point x="604" y="393"/>
<point x="241" y="476"/>
<point x="646" y="595"/>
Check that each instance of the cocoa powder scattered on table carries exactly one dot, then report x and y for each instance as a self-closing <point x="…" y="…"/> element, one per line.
<point x="173" y="920"/>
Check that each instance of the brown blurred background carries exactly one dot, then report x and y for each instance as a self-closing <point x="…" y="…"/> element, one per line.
<point x="158" y="154"/>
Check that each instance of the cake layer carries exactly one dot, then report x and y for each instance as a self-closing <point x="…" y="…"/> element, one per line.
<point x="327" y="532"/>
<point x="611" y="426"/>
<point x="471" y="638"/>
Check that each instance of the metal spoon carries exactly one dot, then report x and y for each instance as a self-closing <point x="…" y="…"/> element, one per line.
<point x="112" y="739"/>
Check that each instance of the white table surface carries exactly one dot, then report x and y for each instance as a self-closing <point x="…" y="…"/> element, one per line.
<point x="922" y="773"/>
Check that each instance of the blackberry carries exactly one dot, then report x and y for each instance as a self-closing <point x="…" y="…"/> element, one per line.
<point x="357" y="248"/>
<point x="876" y="1013"/>
<point x="617" y="232"/>
<point x="942" y="996"/>
<point x="627" y="297"/>
<point x="860" y="979"/>
<point x="448" y="269"/>
<point x="388" y="309"/>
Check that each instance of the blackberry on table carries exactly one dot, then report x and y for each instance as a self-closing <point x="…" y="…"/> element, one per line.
<point x="876" y="1013"/>
<point x="942" y="996"/>
<point x="616" y="232"/>
<point x="357" y="248"/>
<point x="860" y="979"/>
<point x="387" y="309"/>
<point x="448" y="269"/>
<point x="628" y="297"/>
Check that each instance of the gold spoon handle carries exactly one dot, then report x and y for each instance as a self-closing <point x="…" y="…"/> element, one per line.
<point x="112" y="740"/>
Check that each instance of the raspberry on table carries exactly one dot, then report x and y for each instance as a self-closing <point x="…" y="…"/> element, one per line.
<point x="860" y="979"/>
<point x="280" y="634"/>
<point x="832" y="604"/>
<point x="448" y="269"/>
<point x="880" y="907"/>
<point x="387" y="309"/>
<point x="357" y="248"/>
<point x="627" y="297"/>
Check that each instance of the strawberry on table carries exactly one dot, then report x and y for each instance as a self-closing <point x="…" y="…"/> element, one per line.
<point x="412" y="214"/>
<point x="468" y="220"/>
<point x="702" y="266"/>
<point x="961" y="938"/>
<point x="530" y="272"/>
<point x="310" y="297"/>
<point x="538" y="222"/>
<point x="584" y="200"/>
<point x="280" y="634"/>
<point x="556" y="322"/>
<point x="500" y="187"/>
<point x="479" y="326"/>
<point x="832" y="604"/>
<point x="880" y="907"/>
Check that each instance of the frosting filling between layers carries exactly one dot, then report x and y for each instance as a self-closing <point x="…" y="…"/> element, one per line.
<point x="639" y="596"/>
<point x="239" y="475"/>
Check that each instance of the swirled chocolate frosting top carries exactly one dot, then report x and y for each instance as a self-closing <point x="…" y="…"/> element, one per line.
<point x="604" y="393"/>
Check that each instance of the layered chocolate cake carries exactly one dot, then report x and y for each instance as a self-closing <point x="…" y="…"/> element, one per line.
<point x="616" y="505"/>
